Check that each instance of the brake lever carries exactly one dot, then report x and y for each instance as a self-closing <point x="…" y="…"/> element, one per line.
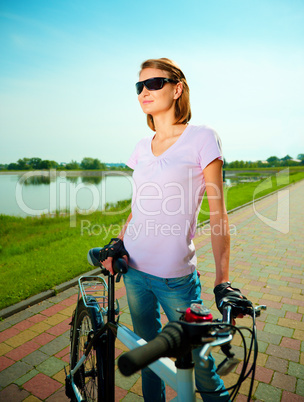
<point x="206" y="349"/>
<point x="258" y="309"/>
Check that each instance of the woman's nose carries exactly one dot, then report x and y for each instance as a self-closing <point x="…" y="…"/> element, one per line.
<point x="145" y="91"/>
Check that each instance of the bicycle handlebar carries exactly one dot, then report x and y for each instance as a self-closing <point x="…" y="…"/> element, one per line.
<point x="119" y="265"/>
<point x="177" y="336"/>
<point x="166" y="344"/>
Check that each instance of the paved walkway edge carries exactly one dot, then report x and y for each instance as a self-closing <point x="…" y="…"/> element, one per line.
<point x="15" y="308"/>
<point x="31" y="301"/>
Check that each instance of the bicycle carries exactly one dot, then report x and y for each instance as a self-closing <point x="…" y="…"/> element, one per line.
<point x="94" y="329"/>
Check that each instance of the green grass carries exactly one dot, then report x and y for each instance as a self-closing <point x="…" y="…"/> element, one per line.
<point x="242" y="193"/>
<point x="268" y="169"/>
<point x="37" y="254"/>
<point x="249" y="174"/>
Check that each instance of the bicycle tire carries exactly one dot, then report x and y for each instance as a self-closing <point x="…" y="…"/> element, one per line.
<point x="90" y="377"/>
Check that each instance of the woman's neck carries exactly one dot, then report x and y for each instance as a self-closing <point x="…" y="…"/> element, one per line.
<point x="165" y="127"/>
<point x="164" y="131"/>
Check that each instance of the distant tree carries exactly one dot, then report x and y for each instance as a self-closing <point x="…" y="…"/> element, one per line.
<point x="92" y="164"/>
<point x="73" y="165"/>
<point x="86" y="163"/>
<point x="273" y="159"/>
<point x="35" y="163"/>
<point x="252" y="164"/>
<point x="301" y="157"/>
<point x="23" y="164"/>
<point x="54" y="164"/>
<point x="98" y="165"/>
<point x="286" y="158"/>
<point x="46" y="164"/>
<point x="13" y="166"/>
<point x="234" y="164"/>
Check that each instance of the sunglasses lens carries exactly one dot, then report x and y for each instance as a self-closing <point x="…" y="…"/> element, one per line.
<point x="154" y="84"/>
<point x="139" y="87"/>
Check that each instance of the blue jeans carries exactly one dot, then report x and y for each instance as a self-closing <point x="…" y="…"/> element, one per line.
<point x="146" y="293"/>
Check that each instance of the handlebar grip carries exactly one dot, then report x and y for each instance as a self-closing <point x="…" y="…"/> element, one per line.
<point x="168" y="343"/>
<point x="233" y="306"/>
<point x="120" y="266"/>
<point x="93" y="257"/>
<point x="142" y="356"/>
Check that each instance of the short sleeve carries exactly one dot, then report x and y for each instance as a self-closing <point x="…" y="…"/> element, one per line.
<point x="133" y="159"/>
<point x="211" y="149"/>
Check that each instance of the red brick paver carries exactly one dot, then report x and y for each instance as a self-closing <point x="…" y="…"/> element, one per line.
<point x="294" y="344"/>
<point x="42" y="386"/>
<point x="5" y="362"/>
<point x="23" y="350"/>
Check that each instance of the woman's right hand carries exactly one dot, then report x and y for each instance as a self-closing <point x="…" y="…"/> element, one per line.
<point x="108" y="263"/>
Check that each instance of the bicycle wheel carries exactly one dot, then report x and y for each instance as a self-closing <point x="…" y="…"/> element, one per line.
<point x="90" y="377"/>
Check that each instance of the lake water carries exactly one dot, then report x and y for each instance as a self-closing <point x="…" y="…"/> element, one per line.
<point x="33" y="194"/>
<point x="36" y="193"/>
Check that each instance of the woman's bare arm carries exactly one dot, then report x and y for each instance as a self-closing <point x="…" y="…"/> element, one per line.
<point x="220" y="236"/>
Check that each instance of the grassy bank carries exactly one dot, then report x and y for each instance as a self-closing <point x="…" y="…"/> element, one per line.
<point x="242" y="193"/>
<point x="37" y="254"/>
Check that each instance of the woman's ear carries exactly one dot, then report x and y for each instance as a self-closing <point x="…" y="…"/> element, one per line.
<point x="178" y="90"/>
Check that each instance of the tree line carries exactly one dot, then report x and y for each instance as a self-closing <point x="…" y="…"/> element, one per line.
<point x="39" y="164"/>
<point x="272" y="161"/>
<point x="96" y="164"/>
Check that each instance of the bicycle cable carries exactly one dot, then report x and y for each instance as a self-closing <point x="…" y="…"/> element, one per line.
<point x="246" y="358"/>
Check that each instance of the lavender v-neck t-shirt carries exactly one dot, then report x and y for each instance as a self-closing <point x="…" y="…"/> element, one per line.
<point x="167" y="194"/>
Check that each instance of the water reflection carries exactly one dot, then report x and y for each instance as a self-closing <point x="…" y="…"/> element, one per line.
<point x="234" y="179"/>
<point x="95" y="180"/>
<point x="37" y="180"/>
<point x="91" y="179"/>
<point x="72" y="179"/>
<point x="36" y="193"/>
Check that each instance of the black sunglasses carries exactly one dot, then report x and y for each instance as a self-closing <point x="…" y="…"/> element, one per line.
<point x="152" y="84"/>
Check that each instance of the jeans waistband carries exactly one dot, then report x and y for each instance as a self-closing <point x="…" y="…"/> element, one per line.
<point x="157" y="278"/>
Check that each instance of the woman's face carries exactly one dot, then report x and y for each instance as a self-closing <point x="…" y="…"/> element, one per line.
<point x="160" y="101"/>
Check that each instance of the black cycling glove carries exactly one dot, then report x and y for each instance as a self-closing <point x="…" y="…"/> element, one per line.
<point x="115" y="249"/>
<point x="221" y="291"/>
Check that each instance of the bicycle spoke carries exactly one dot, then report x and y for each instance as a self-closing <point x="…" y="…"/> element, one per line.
<point x="88" y="378"/>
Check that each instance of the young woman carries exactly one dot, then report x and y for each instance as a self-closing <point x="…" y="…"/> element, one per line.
<point x="172" y="170"/>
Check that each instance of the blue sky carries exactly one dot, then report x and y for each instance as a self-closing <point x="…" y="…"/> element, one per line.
<point x="68" y="70"/>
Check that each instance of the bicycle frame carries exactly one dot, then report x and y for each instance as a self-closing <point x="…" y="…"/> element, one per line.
<point x="181" y="380"/>
<point x="180" y="377"/>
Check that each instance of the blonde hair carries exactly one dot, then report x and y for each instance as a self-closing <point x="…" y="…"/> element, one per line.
<point x="182" y="104"/>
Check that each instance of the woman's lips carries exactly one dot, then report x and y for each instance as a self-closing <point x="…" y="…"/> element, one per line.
<point x="146" y="101"/>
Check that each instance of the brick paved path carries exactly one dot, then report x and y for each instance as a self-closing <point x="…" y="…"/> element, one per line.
<point x="265" y="263"/>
